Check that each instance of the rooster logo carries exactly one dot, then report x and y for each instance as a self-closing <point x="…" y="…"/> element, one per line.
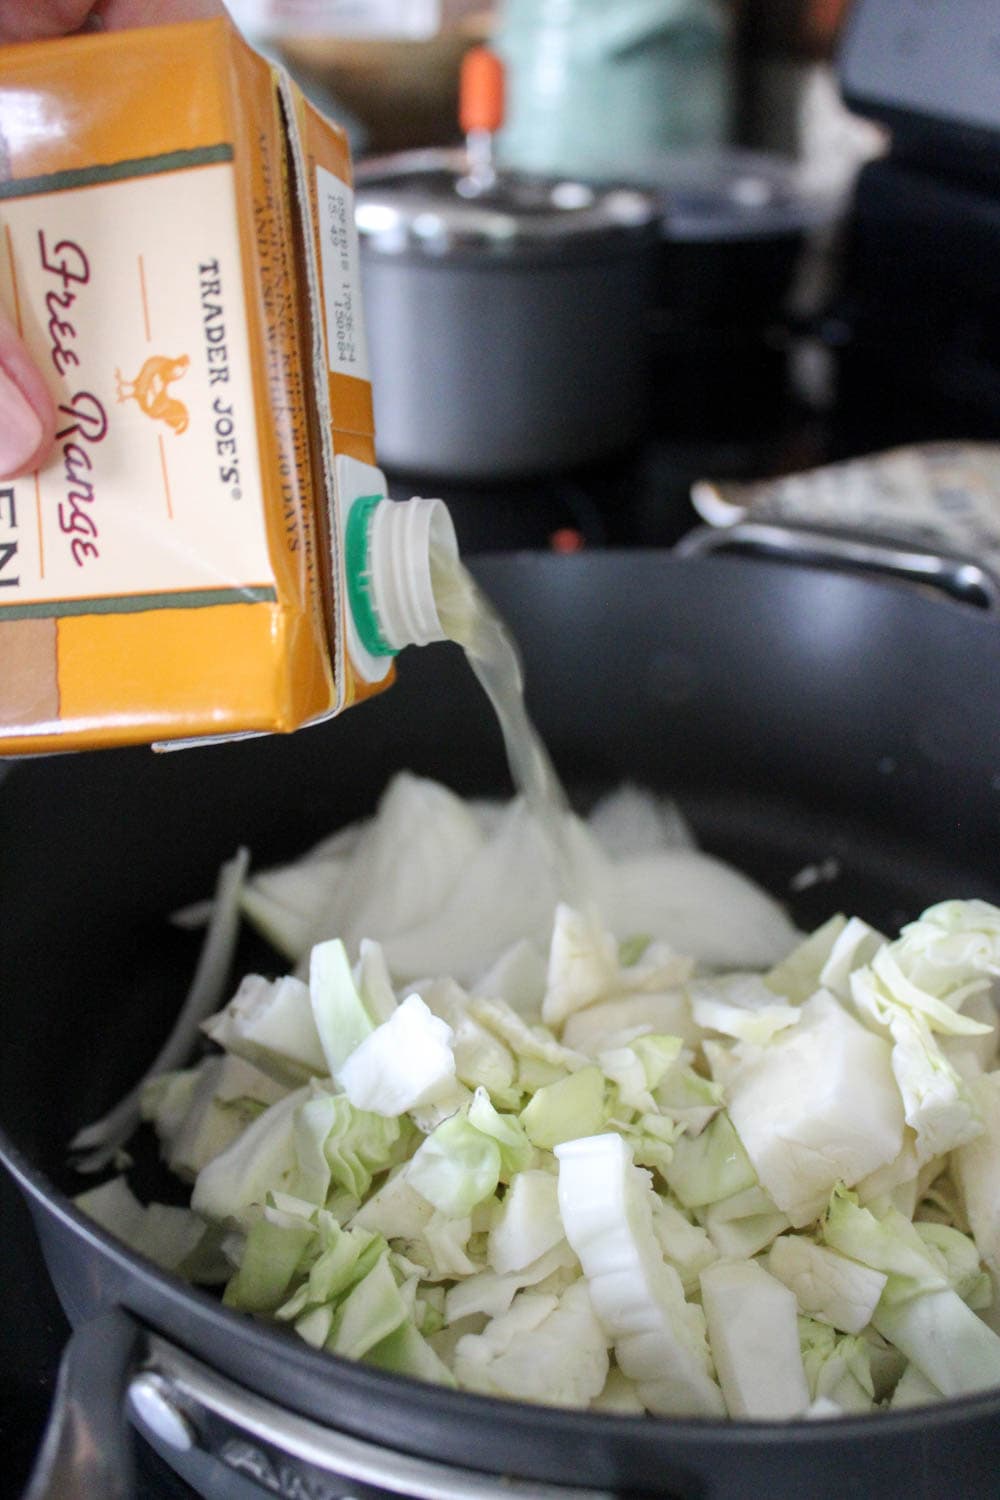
<point x="149" y="390"/>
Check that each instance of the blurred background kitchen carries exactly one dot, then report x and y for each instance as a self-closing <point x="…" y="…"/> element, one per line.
<point x="725" y="238"/>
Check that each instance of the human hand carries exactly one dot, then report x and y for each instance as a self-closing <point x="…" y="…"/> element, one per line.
<point x="47" y="18"/>
<point x="27" y="410"/>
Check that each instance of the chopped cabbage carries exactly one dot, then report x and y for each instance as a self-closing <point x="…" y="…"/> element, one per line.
<point x="456" y="1166"/>
<point x="528" y="1223"/>
<point x="804" y="1121"/>
<point x="754" y="1336"/>
<point x="659" y="1337"/>
<point x="561" y="1111"/>
<point x="201" y="1111"/>
<point x="659" y="1154"/>
<point x="744" y="1223"/>
<point x="837" y="1366"/>
<point x="741" y="1006"/>
<point x="976" y="1170"/>
<point x="342" y="1022"/>
<point x="270" y="1023"/>
<point x="827" y="1286"/>
<point x="545" y="1348"/>
<point x="583" y="964"/>
<point x="919" y="1311"/>
<point x="405" y="1062"/>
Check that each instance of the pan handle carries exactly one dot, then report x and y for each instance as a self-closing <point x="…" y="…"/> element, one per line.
<point x="86" y="1451"/>
<point x="968" y="582"/>
<point x="234" y="1436"/>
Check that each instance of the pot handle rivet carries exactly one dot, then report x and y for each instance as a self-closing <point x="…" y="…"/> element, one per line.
<point x="153" y="1403"/>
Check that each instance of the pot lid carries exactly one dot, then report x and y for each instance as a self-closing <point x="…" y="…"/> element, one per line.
<point x="729" y="193"/>
<point x="431" y="204"/>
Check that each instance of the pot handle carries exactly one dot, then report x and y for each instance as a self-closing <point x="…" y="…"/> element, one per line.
<point x="86" y="1451"/>
<point x="233" y="1432"/>
<point x="968" y="582"/>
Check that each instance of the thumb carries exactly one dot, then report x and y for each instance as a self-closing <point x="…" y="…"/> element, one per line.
<point x="27" y="411"/>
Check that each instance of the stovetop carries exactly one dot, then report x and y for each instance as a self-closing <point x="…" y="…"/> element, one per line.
<point x="33" y="1331"/>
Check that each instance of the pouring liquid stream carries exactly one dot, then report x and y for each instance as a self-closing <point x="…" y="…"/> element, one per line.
<point x="469" y="619"/>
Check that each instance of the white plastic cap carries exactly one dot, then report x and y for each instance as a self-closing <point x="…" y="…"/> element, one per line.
<point x="390" y="582"/>
<point x="402" y="534"/>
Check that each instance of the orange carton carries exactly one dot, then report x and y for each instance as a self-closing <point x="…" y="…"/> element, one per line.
<point x="177" y="246"/>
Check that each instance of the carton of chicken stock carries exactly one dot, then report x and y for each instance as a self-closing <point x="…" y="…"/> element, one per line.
<point x="177" y="248"/>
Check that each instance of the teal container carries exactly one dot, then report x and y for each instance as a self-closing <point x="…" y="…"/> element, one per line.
<point x="594" y="86"/>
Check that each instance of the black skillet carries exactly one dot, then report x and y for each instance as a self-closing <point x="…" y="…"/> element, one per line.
<point x="802" y="719"/>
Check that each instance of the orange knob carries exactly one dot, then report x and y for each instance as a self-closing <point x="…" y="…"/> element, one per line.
<point x="480" y="94"/>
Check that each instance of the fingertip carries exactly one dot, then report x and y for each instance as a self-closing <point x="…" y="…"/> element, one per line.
<point x="26" y="434"/>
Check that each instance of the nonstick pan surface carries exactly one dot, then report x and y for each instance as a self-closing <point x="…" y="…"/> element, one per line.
<point x="801" y="719"/>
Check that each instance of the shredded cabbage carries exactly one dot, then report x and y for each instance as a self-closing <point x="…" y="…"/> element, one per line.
<point x="661" y="1154"/>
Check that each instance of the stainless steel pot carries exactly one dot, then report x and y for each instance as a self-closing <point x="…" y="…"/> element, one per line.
<point x="504" y="314"/>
